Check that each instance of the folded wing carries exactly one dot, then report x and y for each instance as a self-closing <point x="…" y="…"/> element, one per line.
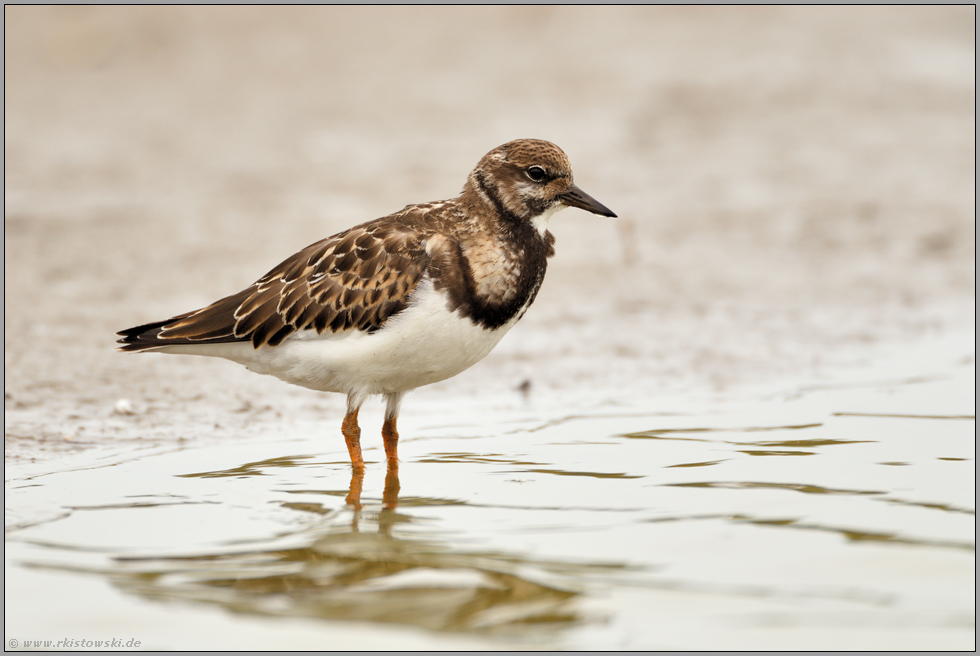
<point x="355" y="280"/>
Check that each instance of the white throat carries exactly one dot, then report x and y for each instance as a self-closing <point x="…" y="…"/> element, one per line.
<point x="540" y="222"/>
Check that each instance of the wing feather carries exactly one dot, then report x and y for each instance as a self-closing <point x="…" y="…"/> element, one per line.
<point x="355" y="280"/>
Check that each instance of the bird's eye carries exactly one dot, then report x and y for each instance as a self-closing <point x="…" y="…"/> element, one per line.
<point x="536" y="173"/>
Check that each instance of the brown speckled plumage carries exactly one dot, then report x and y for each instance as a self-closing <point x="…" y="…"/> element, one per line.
<point x="486" y="256"/>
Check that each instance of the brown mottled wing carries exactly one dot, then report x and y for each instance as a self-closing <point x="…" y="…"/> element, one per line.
<point x="354" y="280"/>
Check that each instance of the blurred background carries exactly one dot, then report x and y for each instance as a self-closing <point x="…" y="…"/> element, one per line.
<point x="795" y="186"/>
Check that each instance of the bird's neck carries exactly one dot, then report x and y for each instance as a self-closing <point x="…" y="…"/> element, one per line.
<point x="482" y="197"/>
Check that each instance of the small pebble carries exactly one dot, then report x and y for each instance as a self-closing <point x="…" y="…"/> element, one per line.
<point x="124" y="407"/>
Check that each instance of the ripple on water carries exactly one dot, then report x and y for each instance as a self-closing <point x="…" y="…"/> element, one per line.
<point x="573" y="528"/>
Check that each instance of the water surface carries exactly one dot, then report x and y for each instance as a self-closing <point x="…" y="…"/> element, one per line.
<point x="830" y="514"/>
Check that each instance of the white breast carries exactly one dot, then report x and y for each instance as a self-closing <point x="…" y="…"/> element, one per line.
<point x="423" y="344"/>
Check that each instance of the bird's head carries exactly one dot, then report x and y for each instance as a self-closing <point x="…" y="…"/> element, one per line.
<point x="527" y="181"/>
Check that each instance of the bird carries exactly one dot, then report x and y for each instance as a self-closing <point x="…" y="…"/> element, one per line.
<point x="396" y="303"/>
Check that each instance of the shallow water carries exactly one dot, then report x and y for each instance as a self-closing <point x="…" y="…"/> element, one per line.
<point x="831" y="514"/>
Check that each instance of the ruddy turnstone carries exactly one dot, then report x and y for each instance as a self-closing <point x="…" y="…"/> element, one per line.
<point x="399" y="302"/>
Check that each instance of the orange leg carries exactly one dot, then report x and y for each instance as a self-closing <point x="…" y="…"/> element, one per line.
<point x="389" y="432"/>
<point x="352" y="434"/>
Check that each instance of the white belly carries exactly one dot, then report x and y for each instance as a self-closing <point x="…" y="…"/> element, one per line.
<point x="423" y="344"/>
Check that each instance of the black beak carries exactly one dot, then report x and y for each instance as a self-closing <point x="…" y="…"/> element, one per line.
<point x="575" y="197"/>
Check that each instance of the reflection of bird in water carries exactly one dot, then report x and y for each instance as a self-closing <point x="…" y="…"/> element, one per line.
<point x="362" y="567"/>
<point x="389" y="499"/>
<point x="399" y="302"/>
